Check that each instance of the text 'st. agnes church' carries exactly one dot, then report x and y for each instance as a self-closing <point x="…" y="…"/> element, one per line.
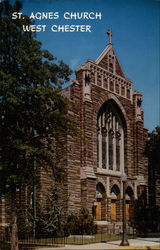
<point x="111" y="141"/>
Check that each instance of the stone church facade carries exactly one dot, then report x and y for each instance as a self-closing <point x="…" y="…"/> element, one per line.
<point x="110" y="142"/>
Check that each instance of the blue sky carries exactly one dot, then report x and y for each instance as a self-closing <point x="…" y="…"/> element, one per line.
<point x="136" y="32"/>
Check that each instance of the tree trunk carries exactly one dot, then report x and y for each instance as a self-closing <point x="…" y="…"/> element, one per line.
<point x="14" y="234"/>
<point x="14" y="229"/>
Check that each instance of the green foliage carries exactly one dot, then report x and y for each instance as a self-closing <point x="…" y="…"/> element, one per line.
<point x="25" y="219"/>
<point x="82" y="223"/>
<point x="153" y="153"/>
<point x="51" y="217"/>
<point x="153" y="146"/>
<point x="86" y="222"/>
<point x="147" y="215"/>
<point x="4" y="245"/>
<point x="72" y="225"/>
<point x="33" y="112"/>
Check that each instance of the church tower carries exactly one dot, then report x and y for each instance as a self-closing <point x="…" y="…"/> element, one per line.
<point x="111" y="141"/>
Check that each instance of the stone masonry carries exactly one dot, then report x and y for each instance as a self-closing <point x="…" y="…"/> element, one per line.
<point x="109" y="142"/>
<point x="99" y="85"/>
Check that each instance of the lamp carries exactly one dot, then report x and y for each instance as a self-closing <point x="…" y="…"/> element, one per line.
<point x="124" y="241"/>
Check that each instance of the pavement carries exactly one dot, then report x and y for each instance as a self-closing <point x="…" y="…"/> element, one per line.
<point x="138" y="243"/>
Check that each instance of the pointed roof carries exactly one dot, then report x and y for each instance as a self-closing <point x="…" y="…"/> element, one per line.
<point x="104" y="52"/>
<point x="108" y="58"/>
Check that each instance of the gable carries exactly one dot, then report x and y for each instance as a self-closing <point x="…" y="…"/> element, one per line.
<point x="109" y="61"/>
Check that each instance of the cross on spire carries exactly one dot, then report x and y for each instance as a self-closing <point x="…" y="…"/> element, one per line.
<point x="109" y="33"/>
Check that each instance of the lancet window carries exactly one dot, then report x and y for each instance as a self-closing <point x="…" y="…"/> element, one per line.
<point x="110" y="139"/>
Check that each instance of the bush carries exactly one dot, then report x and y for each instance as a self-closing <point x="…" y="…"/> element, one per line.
<point x="81" y="223"/>
<point x="51" y="217"/>
<point x="25" y="220"/>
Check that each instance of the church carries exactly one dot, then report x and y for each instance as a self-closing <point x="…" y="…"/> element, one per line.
<point x="110" y="144"/>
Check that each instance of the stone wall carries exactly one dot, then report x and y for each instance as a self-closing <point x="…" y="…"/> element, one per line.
<point x="94" y="86"/>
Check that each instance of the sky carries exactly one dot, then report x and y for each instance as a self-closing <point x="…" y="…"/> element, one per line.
<point x="135" y="25"/>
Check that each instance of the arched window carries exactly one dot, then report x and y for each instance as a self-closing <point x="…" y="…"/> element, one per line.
<point x="110" y="137"/>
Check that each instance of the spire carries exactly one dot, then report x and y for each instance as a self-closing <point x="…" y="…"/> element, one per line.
<point x="109" y="33"/>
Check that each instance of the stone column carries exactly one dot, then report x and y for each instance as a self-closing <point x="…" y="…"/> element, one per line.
<point x="99" y="143"/>
<point x="107" y="156"/>
<point x="102" y="80"/>
<point x="95" y="77"/>
<point x="122" y="151"/>
<point x="114" y="145"/>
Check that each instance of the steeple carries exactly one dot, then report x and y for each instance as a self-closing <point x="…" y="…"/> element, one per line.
<point x="108" y="59"/>
<point x="109" y="33"/>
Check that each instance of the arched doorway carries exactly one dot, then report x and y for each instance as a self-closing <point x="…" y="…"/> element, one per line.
<point x="115" y="203"/>
<point x="129" y="204"/>
<point x="100" y="202"/>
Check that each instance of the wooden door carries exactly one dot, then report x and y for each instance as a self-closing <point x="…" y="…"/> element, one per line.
<point x="127" y="211"/>
<point x="113" y="211"/>
<point x="98" y="210"/>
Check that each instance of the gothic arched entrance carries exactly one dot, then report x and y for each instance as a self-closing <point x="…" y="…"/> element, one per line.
<point x="100" y="202"/>
<point x="129" y="204"/>
<point x="115" y="203"/>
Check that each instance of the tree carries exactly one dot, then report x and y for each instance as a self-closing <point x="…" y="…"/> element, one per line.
<point x="33" y="113"/>
<point x="153" y="153"/>
<point x="86" y="222"/>
<point x="153" y="145"/>
<point x="81" y="223"/>
<point x="51" y="219"/>
<point x="147" y="214"/>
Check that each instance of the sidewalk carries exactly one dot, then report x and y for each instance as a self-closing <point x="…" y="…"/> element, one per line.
<point x="139" y="243"/>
